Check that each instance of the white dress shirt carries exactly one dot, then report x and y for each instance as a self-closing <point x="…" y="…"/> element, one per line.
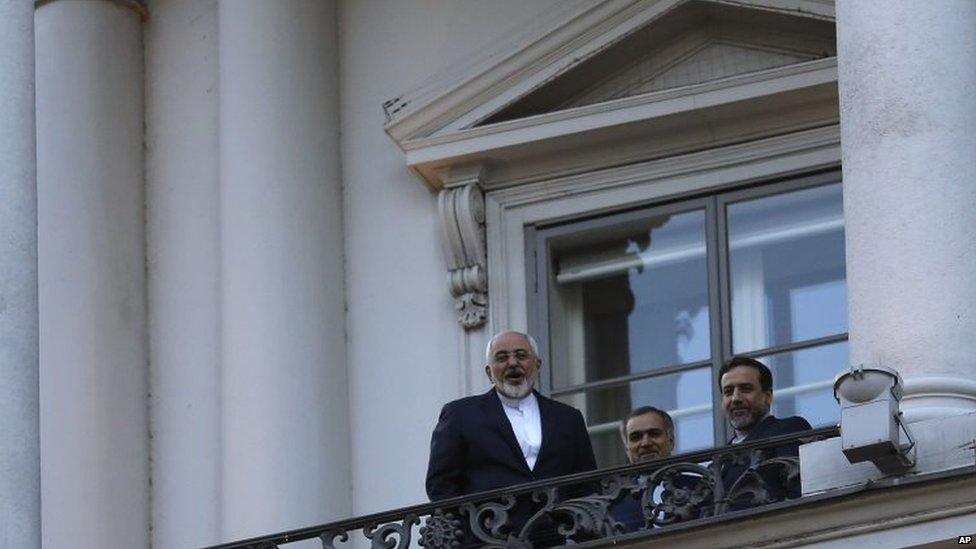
<point x="523" y="414"/>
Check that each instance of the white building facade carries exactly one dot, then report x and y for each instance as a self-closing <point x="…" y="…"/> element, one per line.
<point x="249" y="248"/>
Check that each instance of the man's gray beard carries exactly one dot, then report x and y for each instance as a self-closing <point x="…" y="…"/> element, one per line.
<point x="741" y="423"/>
<point x="515" y="390"/>
<point x="750" y="421"/>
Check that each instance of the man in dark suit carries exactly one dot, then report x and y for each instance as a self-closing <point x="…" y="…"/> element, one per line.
<point x="747" y="395"/>
<point x="509" y="435"/>
<point x="648" y="434"/>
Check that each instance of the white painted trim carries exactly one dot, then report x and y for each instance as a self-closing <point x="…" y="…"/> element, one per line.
<point x="490" y="143"/>
<point x="626" y="109"/>
<point x="820" y="146"/>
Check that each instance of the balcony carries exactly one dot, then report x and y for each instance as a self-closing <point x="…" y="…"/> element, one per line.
<point x="692" y="500"/>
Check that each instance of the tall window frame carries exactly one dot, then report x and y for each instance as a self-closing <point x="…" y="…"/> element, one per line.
<point x="715" y="203"/>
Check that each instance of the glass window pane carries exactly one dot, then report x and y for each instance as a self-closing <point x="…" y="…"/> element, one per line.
<point x="786" y="262"/>
<point x="803" y="382"/>
<point x="686" y="396"/>
<point x="628" y="298"/>
<point x="607" y="447"/>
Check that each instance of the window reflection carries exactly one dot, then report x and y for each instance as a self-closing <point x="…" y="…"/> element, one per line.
<point x="787" y="279"/>
<point x="632" y="301"/>
<point x="626" y="299"/>
<point x="803" y="382"/>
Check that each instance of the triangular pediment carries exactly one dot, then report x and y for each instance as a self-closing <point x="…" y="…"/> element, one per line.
<point x="709" y="61"/>
<point x="617" y="61"/>
<point x="696" y="42"/>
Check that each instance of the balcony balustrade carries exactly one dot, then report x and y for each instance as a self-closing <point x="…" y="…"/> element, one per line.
<point x="589" y="508"/>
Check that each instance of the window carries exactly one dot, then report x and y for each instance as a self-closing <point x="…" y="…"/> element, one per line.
<point x="642" y="307"/>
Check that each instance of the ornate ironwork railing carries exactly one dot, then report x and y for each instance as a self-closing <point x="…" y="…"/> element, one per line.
<point x="586" y="507"/>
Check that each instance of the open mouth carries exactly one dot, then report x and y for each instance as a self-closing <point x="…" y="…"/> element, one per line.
<point x="515" y="376"/>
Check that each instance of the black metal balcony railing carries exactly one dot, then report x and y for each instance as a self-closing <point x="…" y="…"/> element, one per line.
<point x="587" y="507"/>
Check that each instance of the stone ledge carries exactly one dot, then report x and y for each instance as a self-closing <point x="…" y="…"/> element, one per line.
<point x="918" y="507"/>
<point x="942" y="444"/>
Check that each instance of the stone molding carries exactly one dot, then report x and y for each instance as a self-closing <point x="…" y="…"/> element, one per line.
<point x="928" y="397"/>
<point x="133" y="5"/>
<point x="460" y="99"/>
<point x="461" y="205"/>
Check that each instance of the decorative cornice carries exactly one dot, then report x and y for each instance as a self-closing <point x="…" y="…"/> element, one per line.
<point x="461" y="205"/>
<point x="670" y="168"/>
<point x="133" y="5"/>
<point x="504" y="76"/>
<point x="796" y="88"/>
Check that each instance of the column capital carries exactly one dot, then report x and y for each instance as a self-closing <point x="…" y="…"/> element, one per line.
<point x="138" y="6"/>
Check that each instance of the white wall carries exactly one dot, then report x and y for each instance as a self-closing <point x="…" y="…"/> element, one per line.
<point x="20" y="475"/>
<point x="403" y="347"/>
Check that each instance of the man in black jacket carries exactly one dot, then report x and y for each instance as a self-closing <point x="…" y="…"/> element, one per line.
<point x="747" y="395"/>
<point x="647" y="434"/>
<point x="509" y="435"/>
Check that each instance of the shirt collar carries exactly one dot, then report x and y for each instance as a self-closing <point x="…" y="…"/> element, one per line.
<point x="518" y="403"/>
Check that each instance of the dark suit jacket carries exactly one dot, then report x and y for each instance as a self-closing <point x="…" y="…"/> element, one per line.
<point x="772" y="426"/>
<point x="627" y="509"/>
<point x="473" y="447"/>
<point x="768" y="428"/>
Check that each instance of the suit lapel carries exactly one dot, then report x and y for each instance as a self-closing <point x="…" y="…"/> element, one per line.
<point x="493" y="408"/>
<point x="760" y="431"/>
<point x="547" y="421"/>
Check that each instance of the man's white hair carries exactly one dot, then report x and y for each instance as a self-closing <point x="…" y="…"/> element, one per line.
<point x="532" y="343"/>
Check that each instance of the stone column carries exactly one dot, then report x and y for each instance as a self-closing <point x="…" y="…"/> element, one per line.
<point x="183" y="247"/>
<point x="908" y="135"/>
<point x="284" y="390"/>
<point x="91" y="264"/>
<point x="20" y="481"/>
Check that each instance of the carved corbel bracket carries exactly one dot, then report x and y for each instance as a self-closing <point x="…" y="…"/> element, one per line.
<point x="461" y="205"/>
